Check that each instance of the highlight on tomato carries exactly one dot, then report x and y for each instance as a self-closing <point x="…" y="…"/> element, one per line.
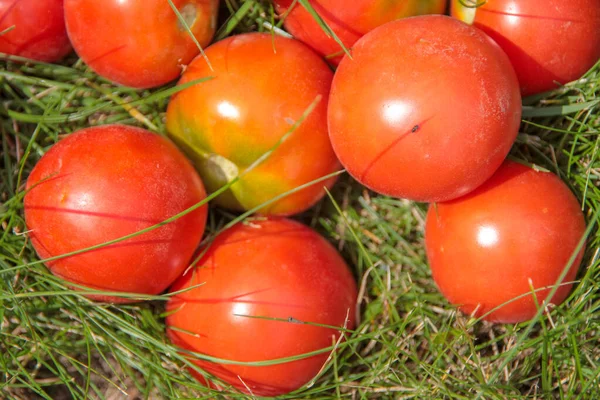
<point x="106" y="182"/>
<point x="139" y="43"/>
<point x="549" y="42"/>
<point x="427" y="109"/>
<point x="34" y="29"/>
<point x="497" y="252"/>
<point x="349" y="20"/>
<point x="261" y="288"/>
<point x="264" y="89"/>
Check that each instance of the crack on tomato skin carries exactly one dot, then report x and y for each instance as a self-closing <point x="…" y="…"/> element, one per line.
<point x="3" y="38"/>
<point x="7" y="12"/>
<point x="70" y="278"/>
<point x="46" y="178"/>
<point x="109" y="52"/>
<point x="237" y="299"/>
<point x="95" y="214"/>
<point x="31" y="41"/>
<point x="414" y="129"/>
<point x="324" y="13"/>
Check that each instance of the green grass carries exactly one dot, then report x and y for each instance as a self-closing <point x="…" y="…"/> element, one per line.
<point x="410" y="343"/>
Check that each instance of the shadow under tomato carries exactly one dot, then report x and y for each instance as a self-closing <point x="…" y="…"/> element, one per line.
<point x="502" y="176"/>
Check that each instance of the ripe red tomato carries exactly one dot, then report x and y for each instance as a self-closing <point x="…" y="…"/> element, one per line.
<point x="139" y="43"/>
<point x="349" y="20"/>
<point x="106" y="182"/>
<point x="262" y="85"/>
<point x="273" y="268"/>
<point x="433" y="121"/>
<point x="547" y="41"/>
<point x="37" y="29"/>
<point x="516" y="231"/>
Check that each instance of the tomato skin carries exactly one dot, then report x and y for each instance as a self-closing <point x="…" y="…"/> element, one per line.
<point x="106" y="182"/>
<point x="39" y="29"/>
<point x="138" y="43"/>
<point x="349" y="20"/>
<point x="431" y="123"/>
<point x="519" y="26"/>
<point x="252" y="102"/>
<point x="485" y="247"/>
<point x="275" y="268"/>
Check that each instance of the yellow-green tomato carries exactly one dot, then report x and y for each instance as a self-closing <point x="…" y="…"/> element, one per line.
<point x="261" y="89"/>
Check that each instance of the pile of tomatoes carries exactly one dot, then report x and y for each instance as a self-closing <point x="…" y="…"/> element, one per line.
<point x="424" y="108"/>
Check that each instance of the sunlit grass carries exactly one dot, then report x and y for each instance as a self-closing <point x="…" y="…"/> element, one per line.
<point x="410" y="343"/>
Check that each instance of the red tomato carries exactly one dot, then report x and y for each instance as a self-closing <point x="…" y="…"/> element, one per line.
<point x="37" y="29"/>
<point x="106" y="182"/>
<point x="274" y="268"/>
<point x="547" y="41"/>
<point x="139" y="43"/>
<point x="262" y="85"/>
<point x="516" y="231"/>
<point x="432" y="122"/>
<point x="349" y="20"/>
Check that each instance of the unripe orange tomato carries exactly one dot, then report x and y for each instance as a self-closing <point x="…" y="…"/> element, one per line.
<point x="262" y="85"/>
<point x="102" y="183"/>
<point x="274" y="269"/>
<point x="350" y="20"/>
<point x="547" y="41"/>
<point x="427" y="109"/>
<point x="139" y="43"/>
<point x="37" y="29"/>
<point x="511" y="236"/>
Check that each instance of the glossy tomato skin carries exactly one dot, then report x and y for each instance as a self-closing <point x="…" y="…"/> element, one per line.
<point x="349" y="20"/>
<point x="39" y="29"/>
<point x="103" y="183"/>
<point x="547" y="41"/>
<point x="262" y="85"/>
<point x="274" y="268"/>
<point x="433" y="121"/>
<point x="138" y="43"/>
<point x="484" y="249"/>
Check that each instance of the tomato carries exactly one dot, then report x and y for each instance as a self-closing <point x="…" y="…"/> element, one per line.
<point x="433" y="121"/>
<point x="515" y="232"/>
<point x="262" y="85"/>
<point x="37" y="29"/>
<point x="139" y="43"/>
<point x="349" y="20"/>
<point x="103" y="183"/>
<point x="271" y="268"/>
<point x="547" y="41"/>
